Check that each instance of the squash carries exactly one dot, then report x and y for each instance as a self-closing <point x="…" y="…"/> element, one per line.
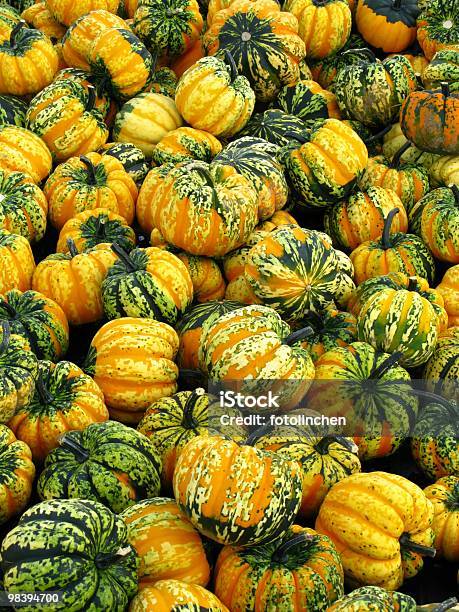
<point x="127" y="8"/>
<point x="146" y="202"/>
<point x="307" y="100"/>
<point x="106" y="462"/>
<point x="273" y="125"/>
<point x="389" y="25"/>
<point x="394" y="140"/>
<point x="167" y="595"/>
<point x="374" y="598"/>
<point x="23" y="206"/>
<point x="186" y="143"/>
<point x="88" y="182"/>
<point x="449" y="289"/>
<point x="206" y="277"/>
<point x="325" y="163"/>
<point x="437" y="27"/>
<point x="324" y="70"/>
<point x="442" y="369"/>
<point x="64" y="399"/>
<point x="444" y="170"/>
<point x="24" y="48"/>
<point x="443" y="67"/>
<point x="131" y="157"/>
<point x="17" y="262"/>
<point x="19" y="472"/>
<point x="132" y="362"/>
<point x="194" y="53"/>
<point x="396" y="518"/>
<point x="67" y="12"/>
<point x="280" y="217"/>
<point x="12" y="111"/>
<point x="9" y="18"/>
<point x="263" y="42"/>
<point x="301" y="570"/>
<point x="23" y="151"/>
<point x="145" y="119"/>
<point x="102" y="103"/>
<point x="444" y="495"/>
<point x="63" y="114"/>
<point x="214" y="83"/>
<point x="163" y="81"/>
<point x="96" y="568"/>
<point x="361" y="217"/>
<point x="166" y="542"/>
<point x="39" y="320"/>
<point x="264" y="489"/>
<point x="39" y="17"/>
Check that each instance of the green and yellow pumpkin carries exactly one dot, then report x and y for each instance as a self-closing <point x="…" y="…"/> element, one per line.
<point x="23" y="151"/>
<point x="68" y="12"/>
<point x="163" y="81"/>
<point x="12" y="111"/>
<point x="39" y="16"/>
<point x="444" y="495"/>
<point x="274" y="125"/>
<point x="449" y="290"/>
<point x="389" y="25"/>
<point x="131" y="157"/>
<point x="9" y="18"/>
<point x="374" y="598"/>
<point x="308" y="101"/>
<point x="438" y="27"/>
<point x="324" y="70"/>
<point x="206" y="277"/>
<point x="17" y="262"/>
<point x="444" y="67"/>
<point x="146" y="202"/>
<point x="186" y="143"/>
<point x="442" y="370"/>
<point x="167" y="595"/>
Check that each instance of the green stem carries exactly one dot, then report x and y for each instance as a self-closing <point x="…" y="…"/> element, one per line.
<point x="412" y="284"/>
<point x="91" y="101"/>
<point x="72" y="247"/>
<point x="324" y="443"/>
<point x="395" y="163"/>
<point x="6" y="335"/>
<point x="445" y="88"/>
<point x="437" y="399"/>
<point x="281" y="554"/>
<point x="89" y="169"/>
<point x="229" y="59"/>
<point x="43" y="392"/>
<point x="298" y="335"/>
<point x="446" y="605"/>
<point x="9" y="309"/>
<point x="386" y="365"/>
<point x="81" y="454"/>
<point x="386" y="243"/>
<point x="189" y="422"/>
<point x="379" y="135"/>
<point x="421" y="549"/>
<point x="124" y="257"/>
<point x="455" y="190"/>
<point x="397" y="5"/>
<point x="17" y="28"/>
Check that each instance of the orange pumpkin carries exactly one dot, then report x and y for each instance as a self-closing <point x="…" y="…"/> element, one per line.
<point x="17" y="263"/>
<point x="206" y="276"/>
<point x="449" y="289"/>
<point x="389" y="25"/>
<point x="23" y="151"/>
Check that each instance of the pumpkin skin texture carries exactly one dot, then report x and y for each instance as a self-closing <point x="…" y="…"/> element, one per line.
<point x="166" y="595"/>
<point x="39" y="320"/>
<point x="64" y="399"/>
<point x="107" y="462"/>
<point x="307" y="100"/>
<point x="324" y="26"/>
<point x="23" y="151"/>
<point x="132" y="362"/>
<point x="39" y="17"/>
<point x="280" y="217"/>
<point x="389" y="25"/>
<point x="206" y="277"/>
<point x="98" y="555"/>
<point x="328" y="163"/>
<point x="9" y="18"/>
<point x="67" y="12"/>
<point x="444" y="495"/>
<point x="102" y="102"/>
<point x="449" y="289"/>
<point x="180" y="64"/>
<point x="437" y="27"/>
<point x="88" y="182"/>
<point x="258" y="512"/>
<point x="444" y="67"/>
<point x="131" y="157"/>
<point x="442" y="369"/>
<point x="161" y="557"/>
<point x="273" y="125"/>
<point x="373" y="598"/>
<point x="309" y="575"/>
<point x="213" y="97"/>
<point x="146" y="202"/>
<point x="12" y="111"/>
<point x="186" y="143"/>
<point x="17" y="262"/>
<point x="24" y="48"/>
<point x="360" y="218"/>
<point x="387" y="507"/>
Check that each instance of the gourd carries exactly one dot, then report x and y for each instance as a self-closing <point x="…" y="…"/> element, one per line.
<point x="449" y="289"/>
<point x="442" y="369"/>
<point x="67" y="12"/>
<point x="389" y="25"/>
<point x="307" y="100"/>
<point x="437" y="27"/>
<point x="39" y="17"/>
<point x="444" y="66"/>
<point x="275" y="126"/>
<point x="444" y="496"/>
<point x="186" y="143"/>
<point x="374" y="598"/>
<point x="12" y="111"/>
<point x="17" y="262"/>
<point x="166" y="595"/>
<point x="131" y="157"/>
<point x="206" y="277"/>
<point x="23" y="151"/>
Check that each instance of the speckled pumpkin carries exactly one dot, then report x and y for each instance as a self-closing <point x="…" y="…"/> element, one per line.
<point x="280" y="217"/>
<point x="68" y="12"/>
<point x="444" y="495"/>
<point x="308" y="101"/>
<point x="444" y="67"/>
<point x="186" y="143"/>
<point x="39" y="17"/>
<point x="206" y="277"/>
<point x="102" y="102"/>
<point x="23" y="151"/>
<point x="131" y="157"/>
<point x="9" y="18"/>
<point x="180" y="64"/>
<point x="375" y="599"/>
<point x="449" y="289"/>
<point x="442" y="370"/>
<point x="167" y="595"/>
<point x="17" y="262"/>
<point x="273" y="125"/>
<point x="438" y="26"/>
<point x="324" y="70"/>
<point x="389" y="25"/>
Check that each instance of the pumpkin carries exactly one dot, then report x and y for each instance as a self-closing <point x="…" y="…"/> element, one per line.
<point x="293" y="270"/>
<point x="145" y="119"/>
<point x="373" y="598"/>
<point x="324" y="70"/>
<point x="300" y="569"/>
<point x="64" y="399"/>
<point x="194" y="53"/>
<point x="398" y="252"/>
<point x="168" y="26"/>
<point x="39" y="17"/>
<point x="186" y="143"/>
<point x="64" y="116"/>
<point x="444" y="495"/>
<point x="361" y="217"/>
<point x="74" y="281"/>
<point x="18" y="370"/>
<point x="88" y="182"/>
<point x="67" y="12"/>
<point x="95" y="568"/>
<point x="324" y="25"/>
<point x="167" y="595"/>
<point x="9" y="18"/>
<point x="106" y="462"/>
<point x="166" y="542"/>
<point x="12" y="111"/>
<point x="23" y="206"/>
<point x="206" y="277"/>
<point x="163" y="81"/>
<point x="308" y="101"/>
<point x="389" y="25"/>
<point x="127" y="8"/>
<point x="372" y="91"/>
<point x="449" y="290"/>
<point x="146" y="202"/>
<point x="273" y="125"/>
<point x="437" y="27"/>
<point x="16" y="464"/>
<point x="263" y="42"/>
<point x="444" y="170"/>
<point x="394" y="140"/>
<point x="443" y="67"/>
<point x="442" y="369"/>
<point x="16" y="262"/>
<point x="429" y="120"/>
<point x="95" y="226"/>
<point x="39" y="320"/>
<point x="234" y="262"/>
<point x="23" y="151"/>
<point x="280" y="217"/>
<point x="212" y="83"/>
<point x="325" y="163"/>
<point x="131" y="157"/>
<point x="24" y="48"/>
<point x="132" y="362"/>
<point x="254" y="494"/>
<point x="396" y="518"/>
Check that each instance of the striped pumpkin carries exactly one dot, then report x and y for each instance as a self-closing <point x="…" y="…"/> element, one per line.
<point x="17" y="262"/>
<point x="163" y="81"/>
<point x="273" y="125"/>
<point x="132" y="362"/>
<point x="168" y="595"/>
<point x="131" y="157"/>
<point x="234" y="262"/>
<point x="68" y="12"/>
<point x="9" y="18"/>
<point x="12" y="111"/>
<point x="180" y="64"/>
<point x="444" y="495"/>
<point x="86" y="79"/>
<point x="449" y="290"/>
<point x="206" y="277"/>
<point x="324" y="70"/>
<point x="280" y="217"/>
<point x="186" y="143"/>
<point x="247" y="496"/>
<point x="438" y="26"/>
<point x="148" y="193"/>
<point x="23" y="151"/>
<point x="307" y="100"/>
<point x="442" y="370"/>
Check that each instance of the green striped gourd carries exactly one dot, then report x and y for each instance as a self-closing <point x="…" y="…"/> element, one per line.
<point x="131" y="157"/>
<point x="273" y="125"/>
<point x="443" y="67"/>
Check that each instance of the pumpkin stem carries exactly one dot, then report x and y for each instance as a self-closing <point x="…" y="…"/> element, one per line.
<point x="379" y="135"/>
<point x="438" y="399"/>
<point x="229" y="59"/>
<point x="256" y="434"/>
<point x="124" y="256"/>
<point x="17" y="28"/>
<point x="445" y="88"/>
<point x="298" y="335"/>
<point x="412" y="283"/>
<point x="365" y="53"/>
<point x="324" y="443"/>
<point x="408" y="544"/>
<point x="395" y="163"/>
<point x="386" y="243"/>
<point x="91" y="98"/>
<point x="99" y="227"/>
<point x="6" y="334"/>
<point x="43" y="392"/>
<point x="315" y="318"/>
<point x="455" y="190"/>
<point x="9" y="309"/>
<point x="105" y="560"/>
<point x="281" y="553"/>
<point x="386" y="365"/>
<point x="189" y="422"/>
<point x="397" y="5"/>
<point x="446" y="605"/>
<point x="72" y="247"/>
<point x="89" y="169"/>
<point x="80" y="452"/>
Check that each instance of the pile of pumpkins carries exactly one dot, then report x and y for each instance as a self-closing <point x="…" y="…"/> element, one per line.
<point x="203" y="192"/>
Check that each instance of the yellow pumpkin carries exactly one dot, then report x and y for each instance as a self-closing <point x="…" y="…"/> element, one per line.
<point x="67" y="11"/>
<point x="39" y="17"/>
<point x="444" y="495"/>
<point x="23" y="151"/>
<point x="17" y="263"/>
<point x="206" y="276"/>
<point x="449" y="289"/>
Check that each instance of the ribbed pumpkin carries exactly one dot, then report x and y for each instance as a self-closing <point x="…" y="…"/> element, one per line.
<point x="163" y="81"/>
<point x="145" y="119"/>
<point x="438" y="26"/>
<point x="206" y="277"/>
<point x="280" y="217"/>
<point x="38" y="320"/>
<point x="444" y="170"/>
<point x="324" y="70"/>
<point x="398" y="252"/>
<point x="308" y="101"/>
<point x="106" y="462"/>
<point x="374" y="598"/>
<point x="361" y="217"/>
<point x="68" y="12"/>
<point x="442" y="370"/>
<point x="449" y="289"/>
<point x="300" y="570"/>
<point x="16" y="464"/>
<point x="87" y="182"/>
<point x="12" y="111"/>
<point x="127" y="8"/>
<point x="324" y="25"/>
<point x="325" y="163"/>
<point x="102" y="103"/>
<point x="23" y="151"/>
<point x="372" y="91"/>
<point x="65" y="399"/>
<point x="131" y="157"/>
<point x="64" y="116"/>
<point x="212" y="83"/>
<point x="382" y="532"/>
<point x="444" y="495"/>
<point x="25" y="48"/>
<point x="273" y="125"/>
<point x="263" y="41"/>
<point x="132" y="362"/>
<point x="23" y="206"/>
<point x="16" y="262"/>
<point x="293" y="270"/>
<point x="389" y="25"/>
<point x="39" y="17"/>
<point x="95" y="568"/>
<point x="186" y="143"/>
<point x="166" y="595"/>
<point x="246" y="496"/>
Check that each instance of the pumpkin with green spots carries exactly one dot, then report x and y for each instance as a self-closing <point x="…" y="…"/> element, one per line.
<point x="164" y="81"/>
<point x="186" y="143"/>
<point x="12" y="111"/>
<point x="324" y="70"/>
<point x="307" y="100"/>
<point x="374" y="599"/>
<point x="438" y="26"/>
<point x="444" y="495"/>
<point x="9" y="18"/>
<point x="131" y="157"/>
<point x="443" y="67"/>
<point x="442" y="370"/>
<point x="275" y="126"/>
